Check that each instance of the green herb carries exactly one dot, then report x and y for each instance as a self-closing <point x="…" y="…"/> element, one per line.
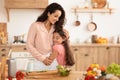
<point x="113" y="69"/>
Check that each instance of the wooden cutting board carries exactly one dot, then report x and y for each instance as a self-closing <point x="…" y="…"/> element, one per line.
<point x="41" y="74"/>
<point x="48" y="72"/>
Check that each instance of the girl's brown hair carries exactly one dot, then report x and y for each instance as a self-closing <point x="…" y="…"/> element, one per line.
<point x="68" y="54"/>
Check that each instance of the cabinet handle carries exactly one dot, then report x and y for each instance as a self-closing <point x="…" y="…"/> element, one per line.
<point x="75" y="49"/>
<point x="86" y="55"/>
<point x="3" y="55"/>
<point x="25" y="49"/>
<point x="3" y="50"/>
<point x="107" y="47"/>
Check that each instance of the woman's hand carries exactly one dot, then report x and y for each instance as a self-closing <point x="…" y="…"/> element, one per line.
<point x="47" y="61"/>
<point x="66" y="33"/>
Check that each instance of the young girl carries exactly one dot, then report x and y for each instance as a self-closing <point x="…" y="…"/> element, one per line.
<point x="61" y="50"/>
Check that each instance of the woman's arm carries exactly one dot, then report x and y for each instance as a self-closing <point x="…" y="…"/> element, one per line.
<point x="31" y="44"/>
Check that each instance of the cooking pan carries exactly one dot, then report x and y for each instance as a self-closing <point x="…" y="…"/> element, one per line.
<point x="92" y="26"/>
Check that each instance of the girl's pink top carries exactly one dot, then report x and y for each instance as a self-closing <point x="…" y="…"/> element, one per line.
<point x="39" y="40"/>
<point x="61" y="54"/>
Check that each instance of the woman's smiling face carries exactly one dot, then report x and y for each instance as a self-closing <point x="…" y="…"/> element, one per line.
<point x="54" y="17"/>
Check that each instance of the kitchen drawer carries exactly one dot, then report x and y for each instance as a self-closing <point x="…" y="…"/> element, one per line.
<point x="4" y="50"/>
<point x="74" y="48"/>
<point x="19" y="49"/>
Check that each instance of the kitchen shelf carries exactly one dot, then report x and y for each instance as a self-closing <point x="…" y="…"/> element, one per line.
<point x="92" y="10"/>
<point x="24" y="4"/>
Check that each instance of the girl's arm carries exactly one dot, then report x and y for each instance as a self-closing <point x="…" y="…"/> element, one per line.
<point x="53" y="55"/>
<point x="50" y="59"/>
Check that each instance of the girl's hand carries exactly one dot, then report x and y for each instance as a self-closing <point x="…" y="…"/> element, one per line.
<point x="47" y="61"/>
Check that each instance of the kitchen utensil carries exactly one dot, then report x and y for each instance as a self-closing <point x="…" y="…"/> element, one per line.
<point x="77" y="22"/>
<point x="92" y="26"/>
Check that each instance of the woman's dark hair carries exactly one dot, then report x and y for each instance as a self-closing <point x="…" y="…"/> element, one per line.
<point x="69" y="56"/>
<point x="51" y="9"/>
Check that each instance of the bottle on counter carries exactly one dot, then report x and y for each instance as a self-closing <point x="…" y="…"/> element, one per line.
<point x="118" y="39"/>
<point x="93" y="38"/>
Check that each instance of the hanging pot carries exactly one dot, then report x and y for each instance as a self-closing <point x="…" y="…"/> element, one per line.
<point x="92" y="26"/>
<point x="77" y="22"/>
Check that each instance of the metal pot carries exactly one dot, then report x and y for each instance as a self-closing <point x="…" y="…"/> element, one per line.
<point x="77" y="22"/>
<point x="92" y="26"/>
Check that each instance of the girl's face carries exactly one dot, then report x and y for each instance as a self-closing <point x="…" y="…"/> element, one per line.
<point x="57" y="39"/>
<point x="54" y="17"/>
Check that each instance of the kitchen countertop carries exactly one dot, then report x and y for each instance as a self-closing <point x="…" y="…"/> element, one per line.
<point x="19" y="44"/>
<point x="71" y="44"/>
<point x="95" y="44"/>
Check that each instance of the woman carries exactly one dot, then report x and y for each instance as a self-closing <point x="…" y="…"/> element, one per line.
<point x="39" y="40"/>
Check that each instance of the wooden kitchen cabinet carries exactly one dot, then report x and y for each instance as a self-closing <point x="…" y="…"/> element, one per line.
<point x="84" y="57"/>
<point x="84" y="54"/>
<point x="24" y="4"/>
<point x="74" y="52"/>
<point x="19" y="48"/>
<point x="4" y="50"/>
<point x="119" y="56"/>
<point x="95" y="53"/>
<point x="108" y="55"/>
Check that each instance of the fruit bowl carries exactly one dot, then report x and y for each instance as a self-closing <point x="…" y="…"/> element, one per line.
<point x="63" y="71"/>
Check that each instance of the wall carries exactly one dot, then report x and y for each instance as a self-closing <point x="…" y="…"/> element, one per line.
<point x="107" y="25"/>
